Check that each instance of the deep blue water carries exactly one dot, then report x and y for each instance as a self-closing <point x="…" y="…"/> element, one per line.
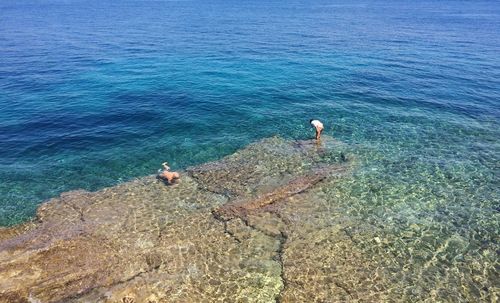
<point x="93" y="94"/>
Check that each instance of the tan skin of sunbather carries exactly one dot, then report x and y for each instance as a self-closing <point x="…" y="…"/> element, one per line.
<point x="167" y="175"/>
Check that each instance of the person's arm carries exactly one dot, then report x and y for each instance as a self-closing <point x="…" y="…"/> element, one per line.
<point x="165" y="166"/>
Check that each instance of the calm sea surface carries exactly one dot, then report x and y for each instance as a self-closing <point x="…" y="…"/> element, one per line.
<point x="93" y="94"/>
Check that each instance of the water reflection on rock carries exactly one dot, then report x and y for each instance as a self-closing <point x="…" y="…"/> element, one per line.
<point x="261" y="225"/>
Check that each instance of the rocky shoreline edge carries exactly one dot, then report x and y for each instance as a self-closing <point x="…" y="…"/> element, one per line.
<point x="255" y="226"/>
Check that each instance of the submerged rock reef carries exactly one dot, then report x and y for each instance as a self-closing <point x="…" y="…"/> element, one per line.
<point x="256" y="226"/>
<point x="225" y="231"/>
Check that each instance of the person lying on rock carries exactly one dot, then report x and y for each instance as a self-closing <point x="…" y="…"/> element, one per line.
<point x="166" y="175"/>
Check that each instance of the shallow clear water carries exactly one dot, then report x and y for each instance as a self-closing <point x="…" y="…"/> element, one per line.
<point x="94" y="94"/>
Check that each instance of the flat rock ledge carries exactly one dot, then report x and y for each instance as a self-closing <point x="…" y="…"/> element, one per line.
<point x="256" y="226"/>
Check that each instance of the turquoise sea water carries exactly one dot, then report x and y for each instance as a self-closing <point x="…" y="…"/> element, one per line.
<point x="93" y="94"/>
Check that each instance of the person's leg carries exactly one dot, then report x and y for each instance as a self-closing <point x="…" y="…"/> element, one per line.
<point x="318" y="133"/>
<point x="172" y="177"/>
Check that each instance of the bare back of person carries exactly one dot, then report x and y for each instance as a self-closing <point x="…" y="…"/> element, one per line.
<point x="167" y="175"/>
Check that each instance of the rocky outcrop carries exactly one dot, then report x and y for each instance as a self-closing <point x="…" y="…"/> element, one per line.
<point x="252" y="227"/>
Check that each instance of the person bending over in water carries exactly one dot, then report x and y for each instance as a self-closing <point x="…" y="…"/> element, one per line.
<point x="318" y="126"/>
<point x="167" y="175"/>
